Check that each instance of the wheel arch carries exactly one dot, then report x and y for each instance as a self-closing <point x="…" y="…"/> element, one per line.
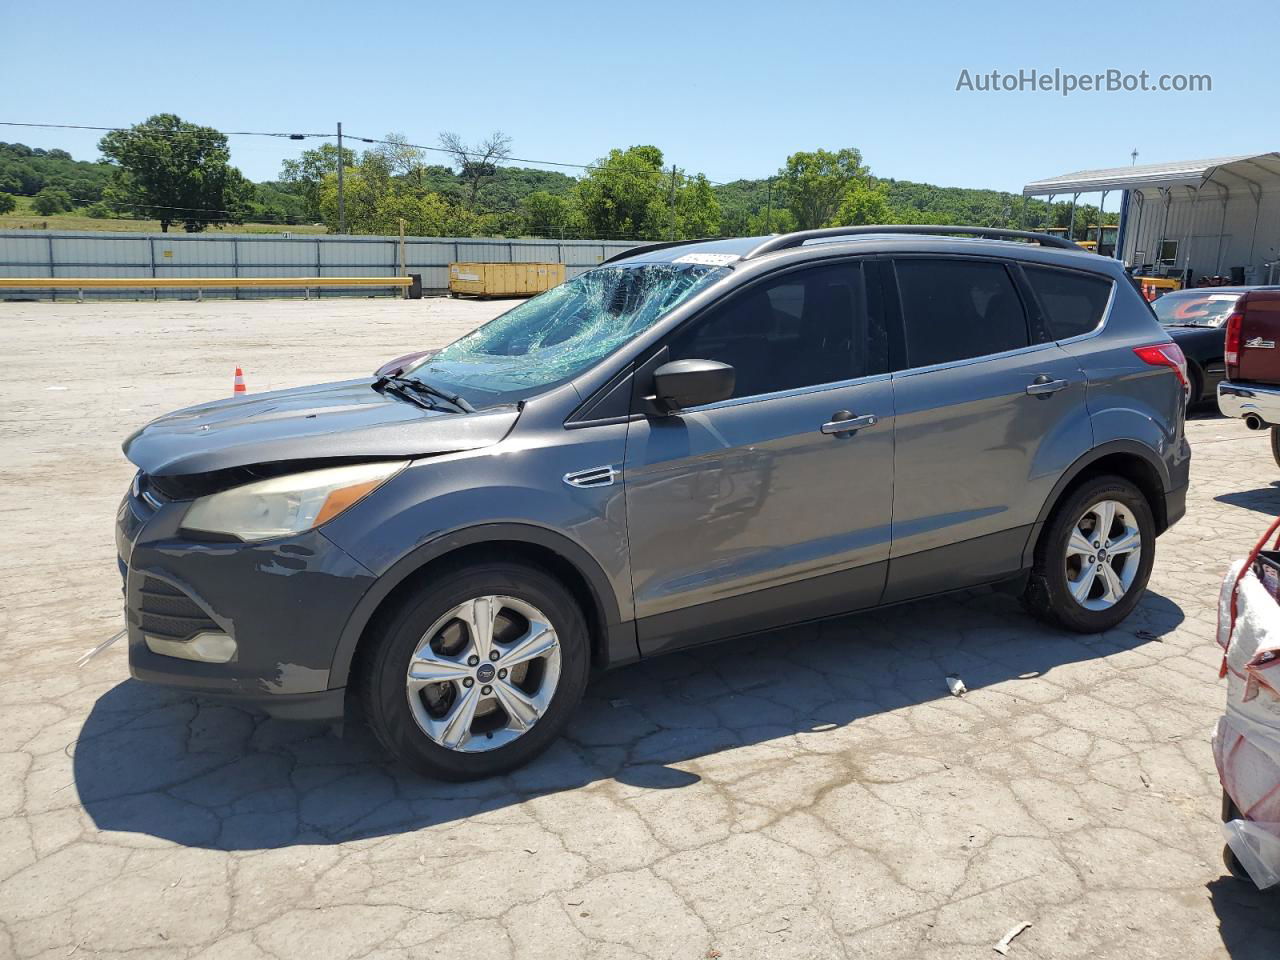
<point x="613" y="642"/>
<point x="1134" y="461"/>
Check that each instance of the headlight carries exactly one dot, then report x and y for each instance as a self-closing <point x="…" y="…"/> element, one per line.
<point x="289" y="504"/>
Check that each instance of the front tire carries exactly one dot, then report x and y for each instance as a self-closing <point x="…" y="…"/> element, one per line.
<point x="1094" y="557"/>
<point x="477" y="673"/>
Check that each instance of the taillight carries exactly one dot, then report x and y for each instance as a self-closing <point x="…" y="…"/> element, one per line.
<point x="1231" y="352"/>
<point x="1166" y="355"/>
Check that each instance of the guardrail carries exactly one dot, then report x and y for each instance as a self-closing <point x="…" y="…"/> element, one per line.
<point x="199" y="284"/>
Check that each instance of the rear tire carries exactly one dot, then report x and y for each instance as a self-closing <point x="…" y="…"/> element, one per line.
<point x="415" y="720"/>
<point x="1275" y="445"/>
<point x="1069" y="587"/>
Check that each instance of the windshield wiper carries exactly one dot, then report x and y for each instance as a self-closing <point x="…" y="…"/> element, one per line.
<point x="418" y="392"/>
<point x="399" y="389"/>
<point x="454" y="399"/>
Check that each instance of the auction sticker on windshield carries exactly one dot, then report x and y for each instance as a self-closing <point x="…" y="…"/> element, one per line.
<point x="708" y="259"/>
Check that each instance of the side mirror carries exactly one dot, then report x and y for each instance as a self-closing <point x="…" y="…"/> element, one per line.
<point x="689" y="383"/>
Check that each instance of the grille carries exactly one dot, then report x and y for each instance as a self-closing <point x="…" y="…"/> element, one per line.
<point x="166" y="611"/>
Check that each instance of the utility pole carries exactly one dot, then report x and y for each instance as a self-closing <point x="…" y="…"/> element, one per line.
<point x="768" y="210"/>
<point x="402" y="273"/>
<point x="342" y="210"/>
<point x="673" y="201"/>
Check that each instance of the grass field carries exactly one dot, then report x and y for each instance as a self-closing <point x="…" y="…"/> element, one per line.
<point x="24" y="218"/>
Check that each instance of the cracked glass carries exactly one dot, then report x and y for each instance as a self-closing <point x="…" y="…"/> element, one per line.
<point x="558" y="334"/>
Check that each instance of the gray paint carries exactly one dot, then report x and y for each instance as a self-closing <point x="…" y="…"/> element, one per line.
<point x="723" y="519"/>
<point x="348" y="419"/>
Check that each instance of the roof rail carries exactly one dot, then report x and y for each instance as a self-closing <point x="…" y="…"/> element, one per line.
<point x="651" y="247"/>
<point x="788" y="240"/>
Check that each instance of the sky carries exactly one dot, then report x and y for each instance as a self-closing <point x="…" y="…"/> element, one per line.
<point x="726" y="89"/>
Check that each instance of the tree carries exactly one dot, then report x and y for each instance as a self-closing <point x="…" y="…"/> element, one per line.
<point x="813" y="184"/>
<point x="863" y="204"/>
<point x="51" y="200"/>
<point x="478" y="162"/>
<point x="365" y="185"/>
<point x="777" y="220"/>
<point x="306" y="174"/>
<point x="552" y="215"/>
<point x="175" y="172"/>
<point x="425" y="215"/>
<point x="7" y="203"/>
<point x="697" y="209"/>
<point x="623" y="196"/>
<point x="402" y="159"/>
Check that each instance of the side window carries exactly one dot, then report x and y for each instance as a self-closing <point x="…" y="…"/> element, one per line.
<point x="804" y="328"/>
<point x="957" y="309"/>
<point x="1072" y="303"/>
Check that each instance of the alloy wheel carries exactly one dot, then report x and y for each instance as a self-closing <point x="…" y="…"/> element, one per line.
<point x="483" y="674"/>
<point x="1103" y="554"/>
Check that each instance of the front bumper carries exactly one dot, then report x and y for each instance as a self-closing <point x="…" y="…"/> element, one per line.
<point x="283" y="603"/>
<point x="1243" y="399"/>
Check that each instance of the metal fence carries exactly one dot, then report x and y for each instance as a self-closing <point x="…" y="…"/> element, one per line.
<point x="30" y="253"/>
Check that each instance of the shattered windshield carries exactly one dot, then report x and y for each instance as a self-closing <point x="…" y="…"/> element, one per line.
<point x="559" y="334"/>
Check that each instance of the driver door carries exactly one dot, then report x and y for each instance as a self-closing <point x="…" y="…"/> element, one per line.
<point x="759" y="510"/>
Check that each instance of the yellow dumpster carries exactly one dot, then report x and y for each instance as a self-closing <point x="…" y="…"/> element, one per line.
<point x="503" y="279"/>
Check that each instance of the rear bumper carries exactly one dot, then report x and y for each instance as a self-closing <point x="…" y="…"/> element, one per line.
<point x="1244" y="399"/>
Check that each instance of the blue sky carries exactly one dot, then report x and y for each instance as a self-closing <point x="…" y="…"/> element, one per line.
<point x="725" y="88"/>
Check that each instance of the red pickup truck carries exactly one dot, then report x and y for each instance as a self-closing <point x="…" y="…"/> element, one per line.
<point x="1251" y="389"/>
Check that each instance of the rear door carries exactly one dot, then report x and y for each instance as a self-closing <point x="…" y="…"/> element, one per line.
<point x="987" y="419"/>
<point x="759" y="510"/>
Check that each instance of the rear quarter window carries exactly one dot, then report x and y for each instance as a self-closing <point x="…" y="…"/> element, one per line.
<point x="1071" y="303"/>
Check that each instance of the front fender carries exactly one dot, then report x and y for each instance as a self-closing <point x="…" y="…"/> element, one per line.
<point x="512" y="492"/>
<point x="619" y="640"/>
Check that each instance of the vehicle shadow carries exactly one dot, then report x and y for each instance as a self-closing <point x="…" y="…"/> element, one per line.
<point x="1248" y="919"/>
<point x="205" y="774"/>
<point x="1260" y="499"/>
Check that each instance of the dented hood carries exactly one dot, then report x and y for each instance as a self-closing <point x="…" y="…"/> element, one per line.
<point x="345" y="419"/>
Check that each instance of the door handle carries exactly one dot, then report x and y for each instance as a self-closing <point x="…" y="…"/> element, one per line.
<point x="844" y="423"/>
<point x="1044" y="385"/>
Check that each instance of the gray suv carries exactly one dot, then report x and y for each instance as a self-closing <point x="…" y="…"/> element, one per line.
<point x="691" y="442"/>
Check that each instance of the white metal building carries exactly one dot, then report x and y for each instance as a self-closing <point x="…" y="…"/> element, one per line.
<point x="1217" y="217"/>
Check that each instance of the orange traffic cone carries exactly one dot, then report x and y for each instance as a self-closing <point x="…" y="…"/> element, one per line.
<point x="239" y="383"/>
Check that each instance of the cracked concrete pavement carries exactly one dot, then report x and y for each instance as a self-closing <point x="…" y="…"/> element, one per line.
<point x="810" y="793"/>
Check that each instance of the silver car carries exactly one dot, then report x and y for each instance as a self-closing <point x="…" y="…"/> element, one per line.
<point x="690" y="443"/>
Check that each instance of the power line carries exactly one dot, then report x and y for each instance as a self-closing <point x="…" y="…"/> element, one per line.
<point x="288" y="135"/>
<point x="477" y="156"/>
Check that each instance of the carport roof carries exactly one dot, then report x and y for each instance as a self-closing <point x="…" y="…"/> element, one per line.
<point x="1249" y="167"/>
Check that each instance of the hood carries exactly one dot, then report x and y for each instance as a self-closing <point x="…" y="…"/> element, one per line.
<point x="332" y="420"/>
